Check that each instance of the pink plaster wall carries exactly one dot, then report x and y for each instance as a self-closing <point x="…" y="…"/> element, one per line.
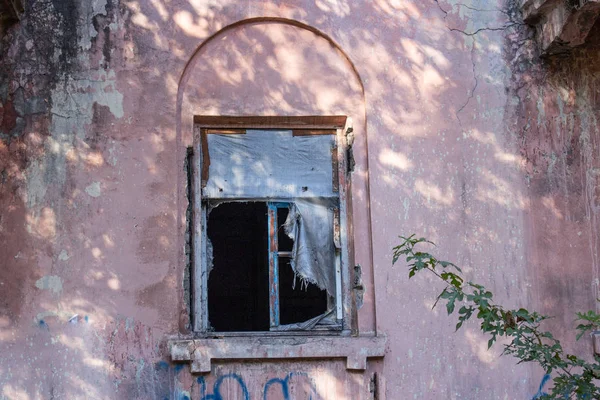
<point x="466" y="138"/>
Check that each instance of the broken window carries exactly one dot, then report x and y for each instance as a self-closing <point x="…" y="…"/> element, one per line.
<point x="271" y="250"/>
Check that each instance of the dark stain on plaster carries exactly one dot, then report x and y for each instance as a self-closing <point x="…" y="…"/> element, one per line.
<point x="8" y="117"/>
<point x="103" y="121"/>
<point x="103" y="42"/>
<point x="69" y="13"/>
<point x="101" y="115"/>
<point x="106" y="49"/>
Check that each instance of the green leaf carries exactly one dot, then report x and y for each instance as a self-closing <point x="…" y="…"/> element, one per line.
<point x="450" y="306"/>
<point x="446" y="264"/>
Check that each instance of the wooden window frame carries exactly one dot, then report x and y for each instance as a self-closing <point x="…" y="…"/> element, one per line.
<point x="300" y="126"/>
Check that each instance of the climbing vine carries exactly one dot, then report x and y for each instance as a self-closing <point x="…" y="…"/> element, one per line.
<point x="573" y="377"/>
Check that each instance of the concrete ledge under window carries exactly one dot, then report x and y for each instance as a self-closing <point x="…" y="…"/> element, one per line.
<point x="201" y="352"/>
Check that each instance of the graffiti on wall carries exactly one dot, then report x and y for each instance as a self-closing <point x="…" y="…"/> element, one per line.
<point x="540" y="391"/>
<point x="216" y="390"/>
<point x="280" y="388"/>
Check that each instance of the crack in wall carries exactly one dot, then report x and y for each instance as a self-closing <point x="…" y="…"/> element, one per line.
<point x="512" y="22"/>
<point x="472" y="93"/>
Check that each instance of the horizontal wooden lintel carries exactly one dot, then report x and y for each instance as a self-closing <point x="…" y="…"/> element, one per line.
<point x="225" y="131"/>
<point x="285" y="122"/>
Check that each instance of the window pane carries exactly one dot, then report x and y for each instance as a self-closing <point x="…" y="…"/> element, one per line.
<point x="238" y="284"/>
<point x="298" y="302"/>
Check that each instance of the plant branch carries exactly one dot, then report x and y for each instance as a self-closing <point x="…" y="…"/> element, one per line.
<point x="573" y="377"/>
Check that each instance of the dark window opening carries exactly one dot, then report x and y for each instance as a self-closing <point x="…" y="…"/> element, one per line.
<point x="238" y="283"/>
<point x="283" y="240"/>
<point x="298" y="301"/>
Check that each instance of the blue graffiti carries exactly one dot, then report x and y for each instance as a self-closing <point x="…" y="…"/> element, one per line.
<point x="216" y="395"/>
<point x="282" y="384"/>
<point x="540" y="391"/>
<point x="44" y="325"/>
<point x="162" y="365"/>
<point x="178" y="368"/>
<point x="285" y="385"/>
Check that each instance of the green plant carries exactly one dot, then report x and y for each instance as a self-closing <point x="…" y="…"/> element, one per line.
<point x="573" y="377"/>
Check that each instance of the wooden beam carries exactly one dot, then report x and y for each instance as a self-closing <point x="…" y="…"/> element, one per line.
<point x="313" y="132"/>
<point x="227" y="131"/>
<point x="272" y="122"/>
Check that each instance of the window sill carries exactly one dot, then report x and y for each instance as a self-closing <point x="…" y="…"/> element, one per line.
<point x="201" y="352"/>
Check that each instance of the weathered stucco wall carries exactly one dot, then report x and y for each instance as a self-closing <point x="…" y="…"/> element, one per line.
<point x="463" y="134"/>
<point x="557" y="122"/>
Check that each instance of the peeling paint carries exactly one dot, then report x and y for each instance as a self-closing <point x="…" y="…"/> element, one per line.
<point x="51" y="283"/>
<point x="63" y="255"/>
<point x="36" y="185"/>
<point x="94" y="189"/>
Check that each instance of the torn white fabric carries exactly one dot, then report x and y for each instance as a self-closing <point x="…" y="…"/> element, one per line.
<point x="310" y="225"/>
<point x="323" y="319"/>
<point x="269" y="164"/>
